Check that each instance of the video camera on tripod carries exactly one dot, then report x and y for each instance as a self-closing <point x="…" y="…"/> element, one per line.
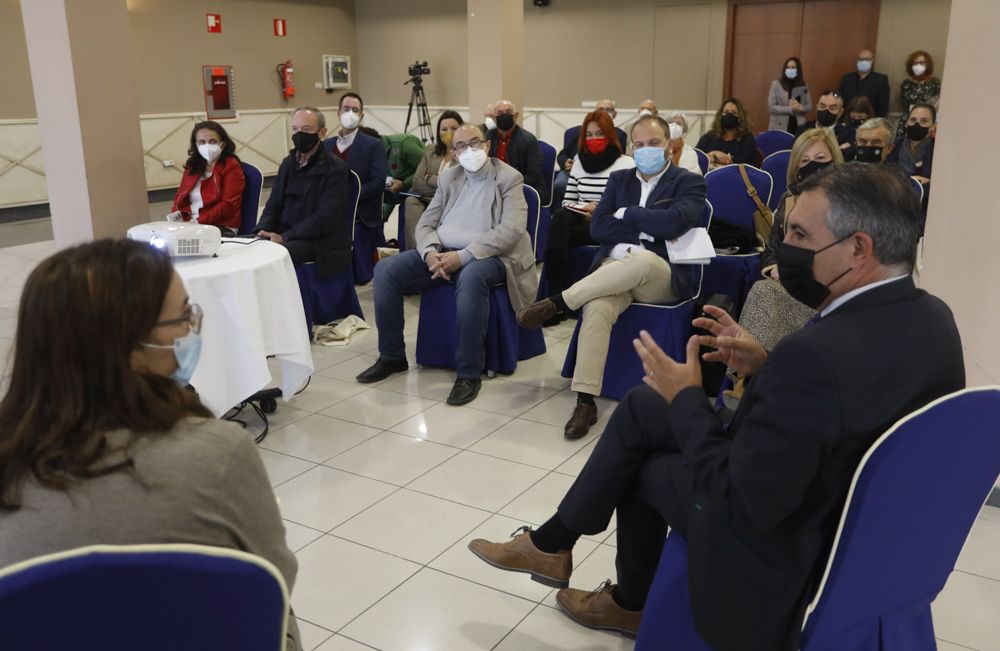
<point x="419" y="100"/>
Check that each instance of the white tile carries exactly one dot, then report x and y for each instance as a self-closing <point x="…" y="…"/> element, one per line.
<point x="548" y="630"/>
<point x="478" y="481"/>
<point x="392" y="458"/>
<point x="540" y="371"/>
<point x="980" y="555"/>
<point x="557" y="410"/>
<point x="415" y="526"/>
<point x="591" y="572"/>
<point x="317" y="437"/>
<point x="574" y="465"/>
<point x="338" y="580"/>
<point x="538" y="503"/>
<point x="948" y="646"/>
<point x="378" y="408"/>
<point x="431" y="383"/>
<point x="348" y="370"/>
<point x="990" y="513"/>
<point x="298" y="536"/>
<point x="965" y="612"/>
<point x="327" y="356"/>
<point x="461" y="562"/>
<point x="509" y="398"/>
<point x="341" y="643"/>
<point x="311" y="635"/>
<point x="324" y="497"/>
<point x="437" y="611"/>
<point x="456" y="426"/>
<point x="324" y="392"/>
<point x="280" y="467"/>
<point x="531" y="443"/>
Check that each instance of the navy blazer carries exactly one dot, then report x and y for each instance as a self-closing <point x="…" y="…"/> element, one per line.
<point x="672" y="209"/>
<point x="769" y="489"/>
<point x="367" y="159"/>
<point x="571" y="145"/>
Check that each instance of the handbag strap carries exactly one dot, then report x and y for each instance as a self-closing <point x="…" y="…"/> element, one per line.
<point x="752" y="191"/>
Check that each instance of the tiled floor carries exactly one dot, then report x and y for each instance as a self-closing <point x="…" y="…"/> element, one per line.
<point x="382" y="486"/>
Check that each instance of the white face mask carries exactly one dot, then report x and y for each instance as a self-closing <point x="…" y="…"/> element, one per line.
<point x="490" y="124"/>
<point x="919" y="69"/>
<point x="210" y="151"/>
<point x="644" y="112"/>
<point x="350" y="120"/>
<point x="676" y="131"/>
<point x="472" y="159"/>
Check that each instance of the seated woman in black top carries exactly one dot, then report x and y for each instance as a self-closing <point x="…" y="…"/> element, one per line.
<point x="914" y="152"/>
<point x="731" y="138"/>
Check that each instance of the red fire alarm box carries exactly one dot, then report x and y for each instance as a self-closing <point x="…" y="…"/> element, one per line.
<point x="280" y="27"/>
<point x="219" y="92"/>
<point x="214" y="23"/>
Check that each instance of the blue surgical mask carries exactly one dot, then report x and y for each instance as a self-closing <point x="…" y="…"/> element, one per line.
<point x="187" y="350"/>
<point x="649" y="160"/>
<point x="864" y="66"/>
<point x="791" y="73"/>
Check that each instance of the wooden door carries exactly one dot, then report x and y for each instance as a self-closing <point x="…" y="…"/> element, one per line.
<point x="825" y="34"/>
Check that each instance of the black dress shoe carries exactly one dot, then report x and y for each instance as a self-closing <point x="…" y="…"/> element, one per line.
<point x="464" y="391"/>
<point x="381" y="369"/>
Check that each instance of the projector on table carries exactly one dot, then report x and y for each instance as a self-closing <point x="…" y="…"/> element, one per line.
<point x="180" y="239"/>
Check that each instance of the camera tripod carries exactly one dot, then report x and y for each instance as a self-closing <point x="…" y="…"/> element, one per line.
<point x="418" y="99"/>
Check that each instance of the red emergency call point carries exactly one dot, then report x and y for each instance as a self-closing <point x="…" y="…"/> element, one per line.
<point x="214" y="22"/>
<point x="279" y="27"/>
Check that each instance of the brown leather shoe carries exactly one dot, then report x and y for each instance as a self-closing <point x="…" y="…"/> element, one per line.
<point x="584" y="415"/>
<point x="536" y="314"/>
<point x="519" y="554"/>
<point x="598" y="609"/>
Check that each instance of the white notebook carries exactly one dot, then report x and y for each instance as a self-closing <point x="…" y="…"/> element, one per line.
<point x="693" y="247"/>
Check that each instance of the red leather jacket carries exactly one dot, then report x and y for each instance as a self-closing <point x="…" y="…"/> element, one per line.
<point x="221" y="194"/>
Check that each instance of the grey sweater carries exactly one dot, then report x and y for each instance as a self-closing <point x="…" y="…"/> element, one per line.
<point x="471" y="215"/>
<point x="202" y="483"/>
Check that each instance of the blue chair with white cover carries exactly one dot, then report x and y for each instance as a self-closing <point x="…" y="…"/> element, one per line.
<point x="908" y="513"/>
<point x="776" y="165"/>
<point x="703" y="161"/>
<point x="330" y="299"/>
<point x="918" y="187"/>
<point x="251" y="198"/>
<point x="769" y="142"/>
<point x="539" y="230"/>
<point x="732" y="275"/>
<point x="670" y="326"/>
<point x="150" y="597"/>
<point x="506" y="341"/>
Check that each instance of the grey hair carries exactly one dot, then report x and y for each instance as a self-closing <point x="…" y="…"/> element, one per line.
<point x="682" y="116"/>
<point x="873" y="200"/>
<point x="319" y="114"/>
<point x="646" y="119"/>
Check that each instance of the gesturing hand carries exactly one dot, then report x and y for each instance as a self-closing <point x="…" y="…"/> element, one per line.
<point x="734" y="346"/>
<point x="663" y="374"/>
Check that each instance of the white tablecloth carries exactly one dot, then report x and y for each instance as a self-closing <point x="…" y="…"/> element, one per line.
<point x="253" y="309"/>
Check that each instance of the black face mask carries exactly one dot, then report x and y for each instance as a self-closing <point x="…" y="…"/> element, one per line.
<point x="917" y="132"/>
<point x="729" y="121"/>
<point x="855" y="122"/>
<point x="868" y="154"/>
<point x="505" y="121"/>
<point x="825" y="118"/>
<point x="795" y="271"/>
<point x="811" y="168"/>
<point x="304" y="142"/>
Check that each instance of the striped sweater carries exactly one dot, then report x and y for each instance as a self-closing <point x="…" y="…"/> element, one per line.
<point x="584" y="187"/>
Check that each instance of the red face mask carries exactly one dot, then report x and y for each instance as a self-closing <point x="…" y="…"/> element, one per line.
<point x="597" y="145"/>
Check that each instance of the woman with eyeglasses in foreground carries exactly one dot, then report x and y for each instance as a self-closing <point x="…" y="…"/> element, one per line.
<point x="100" y="442"/>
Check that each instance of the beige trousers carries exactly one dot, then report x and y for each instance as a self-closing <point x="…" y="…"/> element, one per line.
<point x="642" y="276"/>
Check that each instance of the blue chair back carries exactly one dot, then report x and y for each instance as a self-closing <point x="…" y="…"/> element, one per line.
<point x="702" y="160"/>
<point x="352" y="202"/>
<point x="251" y="198"/>
<point x="548" y="170"/>
<point x="534" y="213"/>
<point x="776" y="165"/>
<point x="918" y="187"/>
<point x="892" y="553"/>
<point x="160" y="598"/>
<point x="728" y="194"/>
<point x="769" y="142"/>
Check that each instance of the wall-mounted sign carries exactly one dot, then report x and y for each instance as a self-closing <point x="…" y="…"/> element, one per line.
<point x="280" y="27"/>
<point x="336" y="71"/>
<point x="214" y="22"/>
<point x="220" y="92"/>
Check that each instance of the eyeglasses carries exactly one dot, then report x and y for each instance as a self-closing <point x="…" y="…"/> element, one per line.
<point x="192" y="317"/>
<point x="462" y="146"/>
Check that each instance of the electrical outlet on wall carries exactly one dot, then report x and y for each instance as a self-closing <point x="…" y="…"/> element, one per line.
<point x="318" y="84"/>
<point x="168" y="163"/>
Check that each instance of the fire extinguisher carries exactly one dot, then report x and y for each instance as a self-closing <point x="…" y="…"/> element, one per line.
<point x="286" y="75"/>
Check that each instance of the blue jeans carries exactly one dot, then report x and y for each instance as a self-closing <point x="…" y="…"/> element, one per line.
<point x="407" y="273"/>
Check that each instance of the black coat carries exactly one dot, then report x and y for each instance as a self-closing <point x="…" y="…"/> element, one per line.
<point x="524" y="155"/>
<point x="312" y="204"/>
<point x="770" y="489"/>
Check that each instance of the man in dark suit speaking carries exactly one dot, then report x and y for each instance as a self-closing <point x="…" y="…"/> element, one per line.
<point x="759" y="501"/>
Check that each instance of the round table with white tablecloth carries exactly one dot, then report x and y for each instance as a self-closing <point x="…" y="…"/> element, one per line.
<point x="253" y="309"/>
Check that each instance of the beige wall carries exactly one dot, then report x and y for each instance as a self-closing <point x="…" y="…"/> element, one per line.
<point x="16" y="97"/>
<point x="905" y="26"/>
